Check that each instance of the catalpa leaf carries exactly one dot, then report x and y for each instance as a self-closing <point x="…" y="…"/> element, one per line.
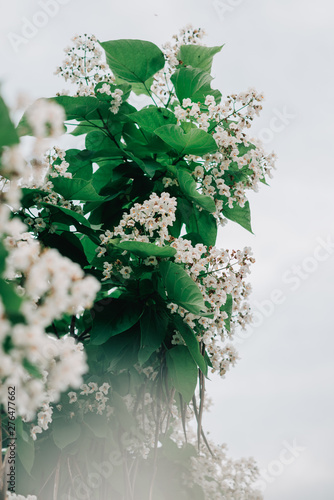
<point x="143" y="249"/>
<point x="195" y="142"/>
<point x="115" y="317"/>
<point x="195" y="84"/>
<point x="188" y="186"/>
<point x="240" y="215"/>
<point x="133" y="60"/>
<point x="198" y="56"/>
<point x="8" y="134"/>
<point x="152" y="118"/>
<point x="191" y="341"/>
<point x="181" y="289"/>
<point x="153" y="328"/>
<point x="182" y="371"/>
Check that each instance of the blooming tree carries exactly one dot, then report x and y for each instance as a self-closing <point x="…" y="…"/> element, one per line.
<point x="116" y="301"/>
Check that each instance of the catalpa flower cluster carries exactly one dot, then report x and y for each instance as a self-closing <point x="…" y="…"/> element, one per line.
<point x="220" y="275"/>
<point x="50" y="286"/>
<point x="161" y="86"/>
<point x="89" y="398"/>
<point x="41" y="286"/>
<point x="145" y="222"/>
<point x="239" y="164"/>
<point x="84" y="65"/>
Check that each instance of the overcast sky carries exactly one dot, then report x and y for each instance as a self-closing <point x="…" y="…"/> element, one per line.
<point x="280" y="395"/>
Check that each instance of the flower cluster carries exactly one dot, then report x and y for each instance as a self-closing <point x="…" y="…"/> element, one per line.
<point x="84" y="65"/>
<point x="220" y="275"/>
<point x="93" y="400"/>
<point x="42" y="286"/>
<point x="238" y="164"/>
<point x="53" y="284"/>
<point x="162" y="85"/>
<point x="116" y="97"/>
<point x="147" y="222"/>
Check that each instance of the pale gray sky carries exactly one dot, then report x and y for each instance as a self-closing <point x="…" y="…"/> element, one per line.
<point x="282" y="389"/>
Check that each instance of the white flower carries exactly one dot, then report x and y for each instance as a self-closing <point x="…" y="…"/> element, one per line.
<point x="73" y="397"/>
<point x="36" y="429"/>
<point x="104" y="388"/>
<point x="125" y="272"/>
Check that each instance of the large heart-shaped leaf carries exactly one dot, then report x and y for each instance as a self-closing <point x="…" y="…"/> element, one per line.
<point x="115" y="316"/>
<point x="182" y="371"/>
<point x="143" y="250"/>
<point x="240" y="215"/>
<point x="204" y="224"/>
<point x="198" y="56"/>
<point x="188" y="187"/>
<point x="195" y="84"/>
<point x="152" y="118"/>
<point x="181" y="289"/>
<point x="133" y="60"/>
<point x="195" y="142"/>
<point x="191" y="342"/>
<point x="76" y="189"/>
<point x="153" y="328"/>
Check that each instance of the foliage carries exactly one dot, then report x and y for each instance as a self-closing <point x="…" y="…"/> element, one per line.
<point x="138" y="210"/>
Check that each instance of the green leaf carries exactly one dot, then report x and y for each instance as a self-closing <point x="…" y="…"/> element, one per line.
<point x="74" y="216"/>
<point x="181" y="289"/>
<point x="133" y="60"/>
<point x="238" y="214"/>
<point x="153" y="328"/>
<point x="76" y="189"/>
<point x="188" y="187"/>
<point x="195" y="84"/>
<point x="65" y="432"/>
<point x="198" y="56"/>
<point x="3" y="256"/>
<point x="195" y="142"/>
<point x="152" y="118"/>
<point x="182" y="371"/>
<point x="82" y="107"/>
<point x="115" y="317"/>
<point x="191" y="342"/>
<point x="89" y="248"/>
<point x="26" y="452"/>
<point x="8" y="134"/>
<point x="228" y="307"/>
<point x="11" y="300"/>
<point x="96" y="140"/>
<point x="143" y="250"/>
<point x="80" y="163"/>
<point x="84" y="127"/>
<point x="204" y="224"/>
<point x="122" y="350"/>
<point x="68" y="244"/>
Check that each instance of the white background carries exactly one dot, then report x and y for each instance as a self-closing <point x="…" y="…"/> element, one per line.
<point x="282" y="388"/>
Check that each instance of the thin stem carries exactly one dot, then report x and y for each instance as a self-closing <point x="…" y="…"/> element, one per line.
<point x="55" y="330"/>
<point x="72" y="327"/>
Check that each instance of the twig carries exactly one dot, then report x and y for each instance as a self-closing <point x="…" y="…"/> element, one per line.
<point x="202" y="432"/>
<point x="72" y="327"/>
<point x="55" y="330"/>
